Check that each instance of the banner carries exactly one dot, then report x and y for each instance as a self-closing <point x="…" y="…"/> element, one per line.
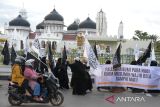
<point x="142" y="77"/>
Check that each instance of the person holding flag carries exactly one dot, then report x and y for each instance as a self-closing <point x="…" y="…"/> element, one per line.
<point x="6" y="54"/>
<point x="40" y="64"/>
<point x="42" y="57"/>
<point x="87" y="75"/>
<point x="36" y="62"/>
<point x="13" y="55"/>
<point x="78" y="81"/>
<point x="60" y="70"/>
<point x="64" y="68"/>
<point x="51" y="59"/>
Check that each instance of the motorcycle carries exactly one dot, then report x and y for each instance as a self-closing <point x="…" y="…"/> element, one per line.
<point x="49" y="91"/>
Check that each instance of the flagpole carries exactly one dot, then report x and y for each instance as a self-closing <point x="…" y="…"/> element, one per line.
<point x="39" y="59"/>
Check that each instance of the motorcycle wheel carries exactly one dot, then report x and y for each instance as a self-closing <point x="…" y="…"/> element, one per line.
<point x="58" y="100"/>
<point x="13" y="101"/>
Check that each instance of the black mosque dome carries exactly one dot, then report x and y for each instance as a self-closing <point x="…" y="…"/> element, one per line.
<point x="88" y="23"/>
<point x="54" y="15"/>
<point x="73" y="26"/>
<point x="40" y="26"/>
<point x="19" y="21"/>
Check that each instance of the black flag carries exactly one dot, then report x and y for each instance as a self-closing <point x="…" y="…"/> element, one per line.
<point x="117" y="58"/>
<point x="95" y="50"/>
<point x="145" y="55"/>
<point x="13" y="55"/>
<point x="5" y="53"/>
<point x="50" y="58"/>
<point x="64" y="56"/>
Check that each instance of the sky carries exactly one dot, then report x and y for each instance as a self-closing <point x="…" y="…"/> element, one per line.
<point x="141" y="15"/>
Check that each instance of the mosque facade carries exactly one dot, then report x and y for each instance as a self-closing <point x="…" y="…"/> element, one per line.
<point x="51" y="29"/>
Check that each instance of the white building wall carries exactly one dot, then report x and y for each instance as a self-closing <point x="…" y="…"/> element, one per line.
<point x="17" y="34"/>
<point x="141" y="44"/>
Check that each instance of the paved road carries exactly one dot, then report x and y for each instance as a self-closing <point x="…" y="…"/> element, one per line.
<point x="94" y="99"/>
<point x="5" y="69"/>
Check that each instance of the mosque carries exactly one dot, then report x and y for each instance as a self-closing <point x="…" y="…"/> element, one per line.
<point x="51" y="29"/>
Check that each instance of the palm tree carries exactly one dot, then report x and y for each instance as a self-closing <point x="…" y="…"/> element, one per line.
<point x="140" y="35"/>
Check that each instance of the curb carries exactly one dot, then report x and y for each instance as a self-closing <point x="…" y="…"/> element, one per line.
<point x="1" y="65"/>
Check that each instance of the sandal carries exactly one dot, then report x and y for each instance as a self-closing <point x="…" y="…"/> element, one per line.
<point x="36" y="99"/>
<point x="40" y="98"/>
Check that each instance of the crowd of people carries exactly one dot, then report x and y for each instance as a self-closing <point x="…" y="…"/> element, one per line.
<point x="80" y="80"/>
<point x="25" y="75"/>
<point x="80" y="83"/>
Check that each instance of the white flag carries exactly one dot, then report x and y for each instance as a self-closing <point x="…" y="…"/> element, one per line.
<point x="136" y="52"/>
<point x="42" y="52"/>
<point x="153" y="57"/>
<point x="92" y="60"/>
<point x="36" y="45"/>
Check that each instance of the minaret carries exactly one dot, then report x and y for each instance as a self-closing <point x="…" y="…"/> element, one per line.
<point x="5" y="27"/>
<point x="120" y="30"/>
<point x="23" y="12"/>
<point x="101" y="24"/>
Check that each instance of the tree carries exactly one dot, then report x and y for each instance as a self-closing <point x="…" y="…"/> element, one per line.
<point x="140" y="35"/>
<point x="153" y="37"/>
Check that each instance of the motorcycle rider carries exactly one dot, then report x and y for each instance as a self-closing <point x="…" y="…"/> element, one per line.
<point x="17" y="76"/>
<point x="17" y="71"/>
<point x="31" y="75"/>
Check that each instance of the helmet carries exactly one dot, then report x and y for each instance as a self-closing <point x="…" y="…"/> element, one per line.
<point x="30" y="63"/>
<point x="20" y="60"/>
<point x="77" y="59"/>
<point x="17" y="61"/>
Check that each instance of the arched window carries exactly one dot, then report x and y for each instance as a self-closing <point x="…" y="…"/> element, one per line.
<point x="54" y="45"/>
<point x="48" y="42"/>
<point x="22" y="44"/>
<point x="43" y="44"/>
<point x="108" y="49"/>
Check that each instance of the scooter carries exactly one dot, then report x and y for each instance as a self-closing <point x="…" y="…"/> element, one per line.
<point x="50" y="92"/>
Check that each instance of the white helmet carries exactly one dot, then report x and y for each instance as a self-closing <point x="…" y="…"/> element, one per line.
<point x="77" y="59"/>
<point x="30" y="63"/>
